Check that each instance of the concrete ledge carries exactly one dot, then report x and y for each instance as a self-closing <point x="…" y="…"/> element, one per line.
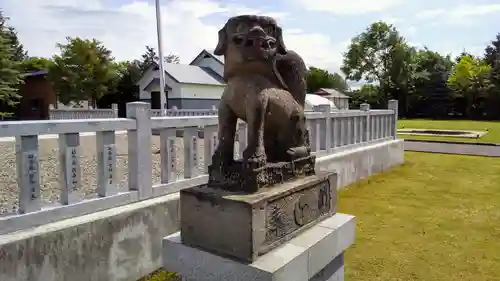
<point x="355" y="164"/>
<point x="316" y="254"/>
<point x="119" y="244"/>
<point x="475" y="149"/>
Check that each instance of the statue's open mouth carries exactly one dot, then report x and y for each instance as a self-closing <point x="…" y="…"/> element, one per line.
<point x="262" y="43"/>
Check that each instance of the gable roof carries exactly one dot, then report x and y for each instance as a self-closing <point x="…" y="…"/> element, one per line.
<point x="331" y="92"/>
<point x="192" y="74"/>
<point x="205" y="53"/>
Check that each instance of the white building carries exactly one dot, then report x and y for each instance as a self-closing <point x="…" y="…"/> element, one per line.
<point x="197" y="85"/>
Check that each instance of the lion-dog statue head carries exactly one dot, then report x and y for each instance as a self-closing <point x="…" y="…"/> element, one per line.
<point x="249" y="43"/>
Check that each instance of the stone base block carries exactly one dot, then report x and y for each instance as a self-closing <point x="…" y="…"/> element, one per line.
<point x="244" y="226"/>
<point x="316" y="254"/>
<point x="250" y="178"/>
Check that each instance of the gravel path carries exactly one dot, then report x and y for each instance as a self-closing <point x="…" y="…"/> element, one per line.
<point x="49" y="168"/>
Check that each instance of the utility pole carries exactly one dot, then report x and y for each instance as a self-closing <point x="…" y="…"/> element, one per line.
<point x="163" y="95"/>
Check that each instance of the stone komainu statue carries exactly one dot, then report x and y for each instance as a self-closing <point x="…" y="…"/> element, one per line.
<point x="266" y="87"/>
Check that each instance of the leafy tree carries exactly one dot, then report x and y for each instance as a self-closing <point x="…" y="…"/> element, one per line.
<point x="492" y="51"/>
<point x="84" y="71"/>
<point x="10" y="75"/>
<point x="368" y="93"/>
<point x="11" y="38"/>
<point x="150" y="56"/>
<point x="129" y="74"/>
<point x="36" y="63"/>
<point x="469" y="80"/>
<point x="431" y="96"/>
<point x="381" y="55"/>
<point x="318" y="78"/>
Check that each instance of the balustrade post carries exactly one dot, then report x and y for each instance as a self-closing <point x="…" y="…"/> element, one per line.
<point x="325" y="130"/>
<point x="366" y="125"/>
<point x="114" y="107"/>
<point x="106" y="163"/>
<point x="139" y="149"/>
<point x="393" y="104"/>
<point x="28" y="173"/>
<point x="70" y="174"/>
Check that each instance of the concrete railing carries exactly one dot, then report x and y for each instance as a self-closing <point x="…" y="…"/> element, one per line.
<point x="185" y="112"/>
<point x="330" y="132"/>
<point x="83" y="113"/>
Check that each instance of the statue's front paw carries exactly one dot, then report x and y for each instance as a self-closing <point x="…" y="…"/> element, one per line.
<point x="254" y="157"/>
<point x="221" y="159"/>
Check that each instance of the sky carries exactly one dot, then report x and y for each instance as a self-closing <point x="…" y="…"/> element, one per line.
<point x="319" y="30"/>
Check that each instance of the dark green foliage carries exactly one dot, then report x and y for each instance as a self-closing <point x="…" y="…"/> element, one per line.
<point x="319" y="78"/>
<point x="11" y="53"/>
<point x="426" y="83"/>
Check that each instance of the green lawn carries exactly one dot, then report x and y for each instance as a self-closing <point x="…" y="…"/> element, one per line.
<point x="493" y="135"/>
<point x="437" y="217"/>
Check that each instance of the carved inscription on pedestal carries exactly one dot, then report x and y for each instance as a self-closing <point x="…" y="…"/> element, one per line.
<point x="290" y="213"/>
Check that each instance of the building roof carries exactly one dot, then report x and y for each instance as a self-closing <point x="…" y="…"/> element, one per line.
<point x="331" y="92"/>
<point x="36" y="73"/>
<point x="192" y="74"/>
<point x="313" y="101"/>
<point x="210" y="53"/>
<point x="219" y="58"/>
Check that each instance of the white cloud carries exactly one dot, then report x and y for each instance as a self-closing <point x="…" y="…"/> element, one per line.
<point x="317" y="49"/>
<point x="348" y="7"/>
<point x="459" y="15"/>
<point x="126" y="29"/>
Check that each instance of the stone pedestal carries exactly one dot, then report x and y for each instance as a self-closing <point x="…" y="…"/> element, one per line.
<point x="315" y="254"/>
<point x="245" y="226"/>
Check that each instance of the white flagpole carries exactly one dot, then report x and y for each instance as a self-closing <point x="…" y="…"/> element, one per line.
<point x="163" y="97"/>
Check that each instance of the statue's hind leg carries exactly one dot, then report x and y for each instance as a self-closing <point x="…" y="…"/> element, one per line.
<point x="300" y="146"/>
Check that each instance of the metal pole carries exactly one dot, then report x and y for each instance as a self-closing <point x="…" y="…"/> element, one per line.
<point x="163" y="97"/>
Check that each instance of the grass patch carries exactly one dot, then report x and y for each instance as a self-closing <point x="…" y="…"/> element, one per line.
<point x="493" y="135"/>
<point x="161" y="275"/>
<point x="434" y="218"/>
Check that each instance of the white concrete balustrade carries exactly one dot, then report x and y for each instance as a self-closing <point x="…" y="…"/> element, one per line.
<point x="330" y="132"/>
<point x="85" y="113"/>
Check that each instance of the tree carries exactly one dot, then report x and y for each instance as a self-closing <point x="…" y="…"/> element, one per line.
<point x="430" y="95"/>
<point x="368" y="93"/>
<point x="129" y="74"/>
<point x="469" y="80"/>
<point x="84" y="71"/>
<point x="10" y="75"/>
<point x="492" y="58"/>
<point x="492" y="51"/>
<point x="380" y="55"/>
<point x="36" y="63"/>
<point x="10" y="34"/>
<point x="150" y="57"/>
<point x="318" y="78"/>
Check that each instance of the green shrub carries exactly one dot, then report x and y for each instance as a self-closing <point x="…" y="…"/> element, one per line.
<point x="161" y="275"/>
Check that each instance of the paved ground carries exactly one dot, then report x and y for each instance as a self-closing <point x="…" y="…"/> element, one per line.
<point x="452" y="148"/>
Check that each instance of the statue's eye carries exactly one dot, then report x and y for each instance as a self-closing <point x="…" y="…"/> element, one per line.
<point x="269" y="29"/>
<point x="242" y="27"/>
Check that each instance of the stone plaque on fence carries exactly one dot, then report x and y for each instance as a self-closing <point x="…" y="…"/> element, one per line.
<point x="31" y="175"/>
<point x="71" y="175"/>
<point x="109" y="161"/>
